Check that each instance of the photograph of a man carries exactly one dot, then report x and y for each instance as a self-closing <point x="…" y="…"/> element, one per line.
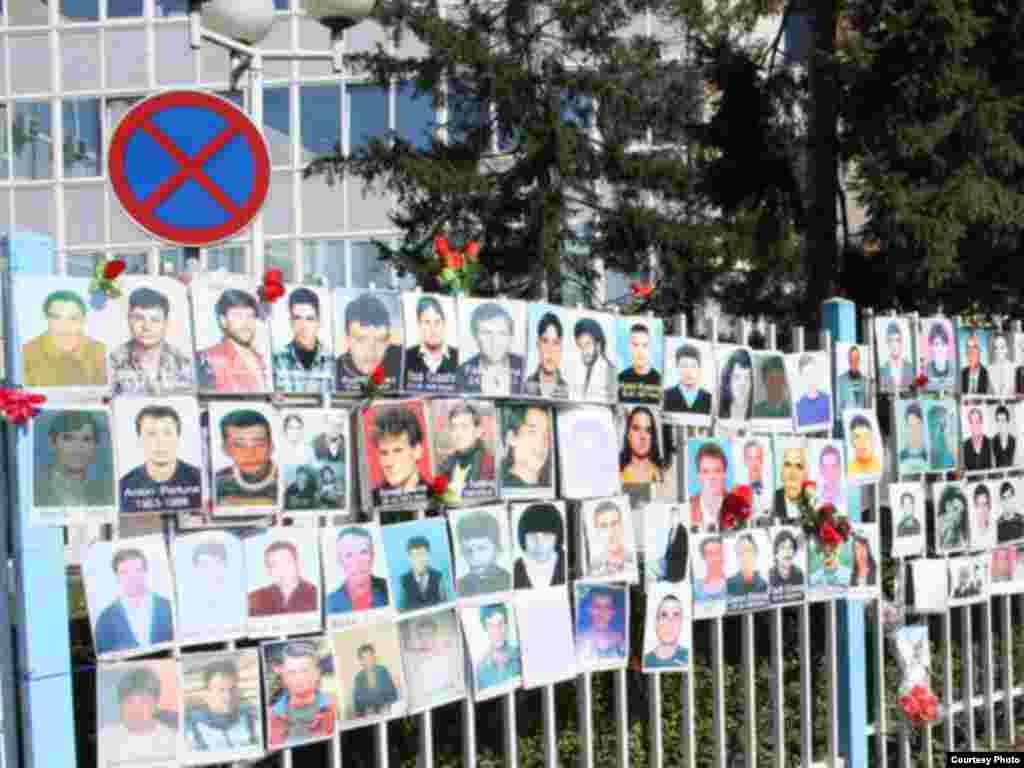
<point x="367" y="330"/>
<point x="1004" y="443"/>
<point x="596" y="378"/>
<point x="755" y="469"/>
<point x="430" y="363"/>
<point x="547" y="379"/>
<point x="863" y="447"/>
<point x="501" y="662"/>
<point x="1010" y="523"/>
<point x="223" y="715"/>
<point x="397" y="451"/>
<point x="163" y="482"/>
<point x="893" y="336"/>
<point x="433" y="660"/>
<point x="814" y="406"/>
<point x="851" y="384"/>
<point x="940" y="367"/>
<point x="540" y="533"/>
<point x="299" y="708"/>
<point x="64" y="355"/>
<point x="710" y="586"/>
<point x="360" y="589"/>
<point x="466" y="449"/>
<point x="771" y="393"/>
<point x="137" y="618"/>
<point x="1000" y="369"/>
<point x="331" y="459"/>
<point x="423" y="585"/>
<point x="977" y="449"/>
<point x="210" y="586"/>
<point x="913" y="440"/>
<point x="148" y="364"/>
<point x="951" y="522"/>
<point x="688" y="395"/>
<point x="669" y="646"/>
<point x="373" y="689"/>
<point x="601" y="637"/>
<point x="747" y="579"/>
<point x="527" y="436"/>
<point x="481" y="544"/>
<point x="711" y="467"/>
<point x="288" y="593"/>
<point x="829" y="477"/>
<point x="610" y="549"/>
<point x="247" y="441"/>
<point x="981" y="530"/>
<point x="73" y="459"/>
<point x="306" y="362"/>
<point x="238" y="363"/>
<point x="908" y="522"/>
<point x="794" y="472"/>
<point x="974" y="378"/>
<point x="497" y="368"/>
<point x="640" y="379"/>
<point x="829" y="567"/>
<point x="139" y="732"/>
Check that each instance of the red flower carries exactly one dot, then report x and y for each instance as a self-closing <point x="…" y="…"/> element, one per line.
<point x="439" y="485"/>
<point x="826" y="512"/>
<point x="728" y="519"/>
<point x="454" y="260"/>
<point x="842" y="527"/>
<point x="473" y="251"/>
<point x="642" y="290"/>
<point x="737" y="506"/>
<point x="441" y="247"/>
<point x="829" y="536"/>
<point x="378" y="375"/>
<point x="921" y="381"/>
<point x="113" y="269"/>
<point x="809" y="485"/>
<point x="746" y="493"/>
<point x="19" y="406"/>
<point x="273" y="285"/>
<point x="910" y="706"/>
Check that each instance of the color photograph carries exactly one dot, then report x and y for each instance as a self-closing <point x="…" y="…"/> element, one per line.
<point x="854" y="375"/>
<point x="609" y="534"/>
<point x="434" y="660"/>
<point x="748" y="558"/>
<point x="951" y="517"/>
<point x="587" y="457"/>
<point x="689" y="381"/>
<point x="368" y="335"/>
<point x="539" y="544"/>
<point x="787" y="578"/>
<point x="315" y="461"/>
<point x="302" y="342"/>
<point x="973" y="353"/>
<point x="907" y="510"/>
<point x="937" y="354"/>
<point x="397" y="454"/>
<point x="368" y="669"/>
<point x="596" y="377"/>
<point x="495" y="655"/>
<point x="492" y="348"/>
<point x="641" y="343"/>
<point x="465" y="436"/>
<point x="300" y="691"/>
<point x="709" y="590"/>
<point x="602" y="626"/>
<point x="137" y="714"/>
<point x="828" y="471"/>
<point x="912" y="438"/>
<point x="864" y="454"/>
<point x="709" y="477"/>
<point x="829" y="570"/>
<point x="667" y="628"/>
<point x="545" y="637"/>
<point x="432" y="343"/>
<point x="773" y="392"/>
<point x="942" y="418"/>
<point x="895" y="345"/>
<point x="865" y="569"/>
<point x="282" y="570"/>
<point x="645" y="465"/>
<point x="551" y="362"/>
<point x="811" y="386"/>
<point x="232" y="335"/>
<point x="483" y="552"/>
<point x="243" y="445"/>
<point x="754" y="466"/>
<point x="735" y="378"/>
<point x="528" y="450"/>
<point x="355" y="575"/>
<point x="419" y="564"/>
<point x="209" y="569"/>
<point x="1007" y="570"/>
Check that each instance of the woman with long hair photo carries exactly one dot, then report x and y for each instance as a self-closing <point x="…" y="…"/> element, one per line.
<point x="736" y="387"/>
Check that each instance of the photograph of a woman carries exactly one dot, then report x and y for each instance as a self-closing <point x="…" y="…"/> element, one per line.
<point x="865" y="567"/>
<point x="641" y="460"/>
<point x="736" y="386"/>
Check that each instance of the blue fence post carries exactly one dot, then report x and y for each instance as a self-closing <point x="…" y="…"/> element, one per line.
<point x="43" y="632"/>
<point x="840" y="320"/>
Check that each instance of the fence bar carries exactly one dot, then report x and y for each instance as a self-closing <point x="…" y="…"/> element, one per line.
<point x="688" y="715"/>
<point x="550" y="727"/>
<point x="987" y="659"/>
<point x="881" y="714"/>
<point x="967" y="674"/>
<point x="718" y="692"/>
<point x="511" y="742"/>
<point x="656" y="749"/>
<point x="584" y="700"/>
<point x="1006" y="632"/>
<point x="468" y="733"/>
<point x="833" y="676"/>
<point x="946" y="634"/>
<point x="778" y="698"/>
<point x="750" y="689"/>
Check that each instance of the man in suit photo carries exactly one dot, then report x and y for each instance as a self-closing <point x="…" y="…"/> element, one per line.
<point x="422" y="585"/>
<point x="368" y="340"/>
<point x="746" y="580"/>
<point x="688" y="396"/>
<point x="974" y="376"/>
<point x="786" y="503"/>
<point x="359" y="590"/>
<point x="138" y="617"/>
<point x="706" y="506"/>
<point x="978" y="447"/>
<point x="897" y="372"/>
<point x="1004" y="444"/>
<point x="432" y="360"/>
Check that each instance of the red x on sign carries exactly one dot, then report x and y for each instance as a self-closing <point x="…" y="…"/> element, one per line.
<point x="189" y="167"/>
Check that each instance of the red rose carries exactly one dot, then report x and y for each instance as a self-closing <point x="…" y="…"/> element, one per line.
<point x="829" y="536"/>
<point x="441" y="247"/>
<point x="843" y="528"/>
<point x="113" y="269"/>
<point x="746" y="493"/>
<point x="378" y="375"/>
<point x="273" y="275"/>
<point x="439" y="485"/>
<point x="910" y="706"/>
<point x="809" y="485"/>
<point x="921" y="381"/>
<point x="473" y="251"/>
<point x="735" y="508"/>
<point x="271" y="292"/>
<point x="642" y="290"/>
<point x="454" y="260"/>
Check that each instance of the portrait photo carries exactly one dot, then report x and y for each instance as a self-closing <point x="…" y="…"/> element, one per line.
<point x="495" y="654"/>
<point x="936" y="354"/>
<point x="130" y="594"/>
<point x="1002" y="416"/>
<point x="355" y="575"/>
<point x="232" y="335"/>
<point x="65" y="336"/>
<point x="492" y="348"/>
<point x="748" y="558"/>
<point x="397" y="455"/>
<point x="299" y="691"/>
<point x="610" y="541"/>
<point x="754" y="466"/>
<point x="912" y="439"/>
<point x="551" y="361"/>
<point x="1010" y="521"/>
<point x="209" y="570"/>
<point x="368" y="670"/>
<point x="943" y="425"/>
<point x="793" y="468"/>
<point x="787" y="578"/>
<point x="282" y="572"/>
<point x="828" y="471"/>
<point x="895" y="344"/>
<point x="433" y="659"/>
<point x="302" y="342"/>
<point x="465" y="436"/>
<point x="1003" y="571"/>
<point x="153" y="355"/>
<point x="222" y="707"/>
<point x="689" y="381"/>
<point x="1001" y="366"/>
<point x="709" y="477"/>
<point x="527" y="450"/>
<point x="811" y="383"/>
<point x="419" y="564"/>
<point x="160" y="454"/>
<point x="973" y="349"/>
<point x="602" y="625"/>
<point x="668" y="623"/>
<point x="641" y="347"/>
<point x="368" y="335"/>
<point x="73" y="466"/>
<point x="546" y="637"/>
<point x="854" y="373"/>
<point x="952" y="527"/>
<point x="907" y="510"/>
<point x="137" y="714"/>
<point x="864" y="456"/>
<point x="977" y="428"/>
<point x="866" y="562"/>
<point x="773" y="393"/>
<point x="432" y="343"/>
<point x="735" y="399"/>
<point x="538" y="544"/>
<point x="315" y="461"/>
<point x="596" y="376"/>
<point x="829" y="569"/>
<point x="243" y="447"/>
<point x="968" y="579"/>
<point x="709" y="579"/>
<point x="645" y="463"/>
<point x="588" y="459"/>
<point x="981" y="521"/>
<point x="666" y="541"/>
<point x="483" y="550"/>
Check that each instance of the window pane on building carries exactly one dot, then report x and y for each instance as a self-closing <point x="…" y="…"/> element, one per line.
<point x="171" y="8"/>
<point x="280" y="5"/>
<point x="24" y="13"/>
<point x="83" y="151"/>
<point x="320" y="108"/>
<point x="367" y="267"/>
<point x="32" y="138"/>
<point x="80" y="10"/>
<point x="414" y="116"/>
<point x="277" y="125"/>
<point x="324" y="259"/>
<point x="124" y="9"/>
<point x="230" y="258"/>
<point x="81" y="264"/>
<point x="368" y="114"/>
<point x="278" y="254"/>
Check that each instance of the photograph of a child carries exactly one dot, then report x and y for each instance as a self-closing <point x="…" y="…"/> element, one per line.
<point x="434" y="659"/>
<point x="689" y="380"/>
<point x="539" y="545"/>
<point x="483" y="552"/>
<point x="492" y="636"/>
<point x="368" y="668"/>
<point x="419" y="564"/>
<point x="602" y="625"/>
<point x="137" y="714"/>
<point x="303" y="345"/>
<point x="368" y="328"/>
<point x="465" y="434"/>
<point x="397" y="451"/>
<point x="299" y="691"/>
<point x="432" y="343"/>
<point x="314" y="460"/>
<point x="232" y="336"/>
<point x="667" y="628"/>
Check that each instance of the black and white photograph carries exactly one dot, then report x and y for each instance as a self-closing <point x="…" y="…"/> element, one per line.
<point x="482" y="551"/>
<point x="754" y="466"/>
<point x="432" y="343"/>
<point x="539" y="547"/>
<point x="465" y="436"/>
<point x="968" y="579"/>
<point x="748" y="558"/>
<point x="209" y="574"/>
<point x="303" y="342"/>
<point x="936" y="354"/>
<point x="434" y="660"/>
<point x="610" y="544"/>
<point x="495" y="652"/>
<point x="1001" y="369"/>
<point x="368" y="335"/>
<point x="282" y="572"/>
<point x="1002" y="417"/>
<point x="666" y="543"/>
<point x="551" y="362"/>
<point x="369" y="674"/>
<point x="641" y="348"/>
<point x="668" y="623"/>
<point x="596" y="377"/>
<point x="527" y="465"/>
<point x="1010" y="518"/>
<point x="981" y="500"/>
<point x="977" y="428"/>
<point x="588" y="459"/>
<point x="244" y="440"/>
<point x="689" y="381"/>
<point x="787" y="578"/>
<point x="952" y="527"/>
<point x="137" y="714"/>
<point x="735" y="401"/>
<point x="492" y="348"/>
<point x="314" y="459"/>
<point x="865" y="568"/>
<point x="907" y="510"/>
<point x="355" y="575"/>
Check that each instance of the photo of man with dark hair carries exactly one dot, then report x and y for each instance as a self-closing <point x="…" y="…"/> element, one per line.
<point x="851" y="385"/>
<point x="502" y="662"/>
<point x="373" y="689"/>
<point x="785" y="572"/>
<point x="1010" y="523"/>
<point x="496" y="369"/>
<point x="1004" y="444"/>
<point x="527" y="436"/>
<point x="712" y="466"/>
<point x="218" y="718"/>
<point x="547" y="379"/>
<point x="596" y="379"/>
<point x="746" y="580"/>
<point x="142" y="733"/>
<point x="398" y="444"/>
<point x="913" y="452"/>
<point x="71" y="472"/>
<point x="896" y="373"/>
<point x="252" y="478"/>
<point x="305" y="363"/>
<point x="367" y="327"/>
<point x="540" y="533"/>
<point x="610" y="547"/>
<point x="210" y="584"/>
<point x="64" y="356"/>
<point x="299" y="708"/>
<point x="430" y="364"/>
<point x="951" y="517"/>
<point x="602" y="639"/>
<point x="689" y="395"/>
<point x="422" y="585"/>
<point x="712" y="555"/>
<point x="863" y="447"/>
<point x="480" y="541"/>
<point x="641" y="381"/>
<point x="238" y="363"/>
<point x="138" y="618"/>
<point x="814" y="406"/>
<point x="670" y="650"/>
<point x="772" y="397"/>
<point x="974" y="379"/>
<point x="163" y="482"/>
<point x="466" y="458"/>
<point x="147" y="364"/>
<point x="908" y="523"/>
<point x="977" y="450"/>
<point x="940" y="368"/>
<point x="289" y="592"/>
